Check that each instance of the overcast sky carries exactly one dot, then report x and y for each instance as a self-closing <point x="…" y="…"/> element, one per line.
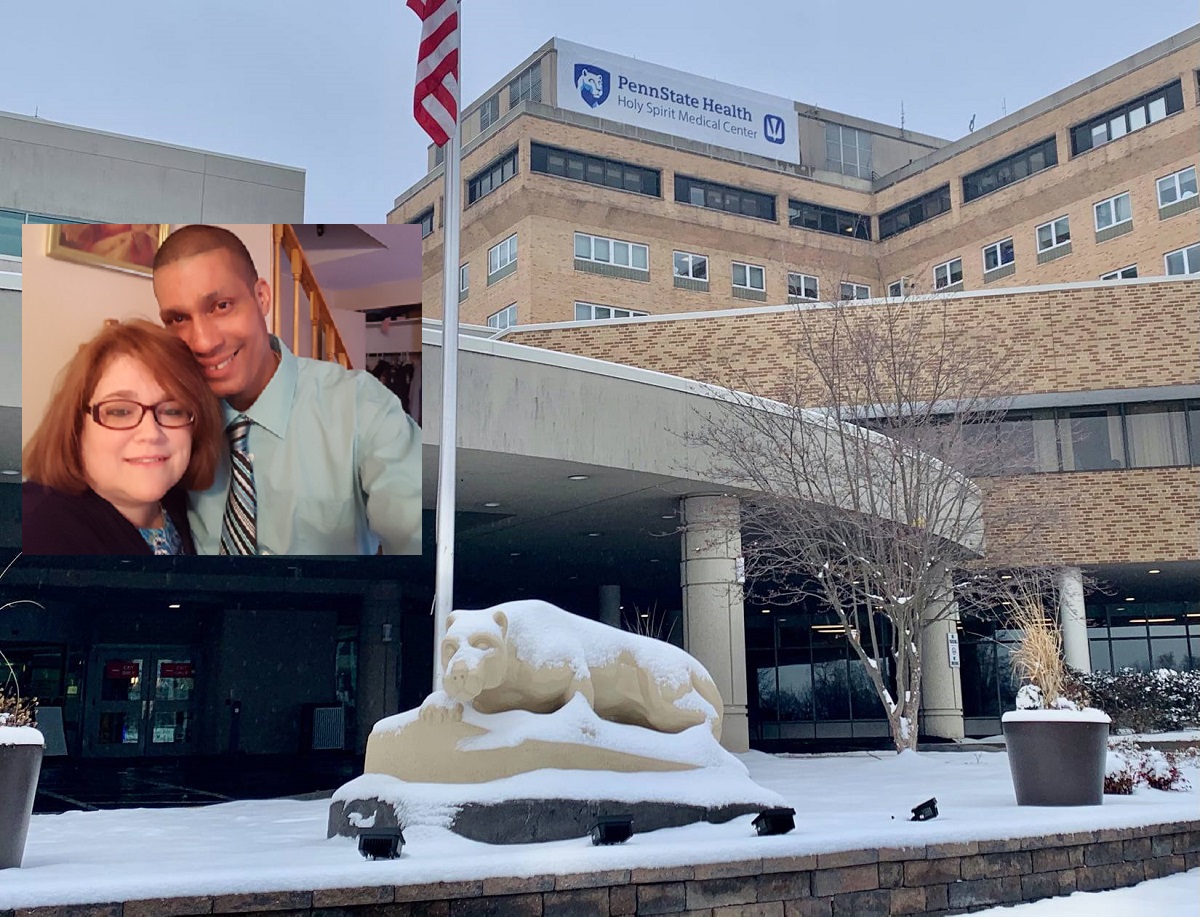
<point x="328" y="86"/>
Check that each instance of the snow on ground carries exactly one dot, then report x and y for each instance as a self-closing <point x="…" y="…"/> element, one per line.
<point x="842" y="802"/>
<point x="1174" y="896"/>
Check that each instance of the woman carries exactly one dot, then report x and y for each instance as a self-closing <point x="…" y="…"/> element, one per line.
<point x="130" y="428"/>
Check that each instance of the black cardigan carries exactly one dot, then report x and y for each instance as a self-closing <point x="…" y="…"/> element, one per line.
<point x="53" y="522"/>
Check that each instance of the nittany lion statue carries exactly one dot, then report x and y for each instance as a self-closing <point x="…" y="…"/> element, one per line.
<point x="532" y="655"/>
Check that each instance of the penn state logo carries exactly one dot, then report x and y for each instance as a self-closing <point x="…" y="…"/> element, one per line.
<point x="773" y="129"/>
<point x="593" y="83"/>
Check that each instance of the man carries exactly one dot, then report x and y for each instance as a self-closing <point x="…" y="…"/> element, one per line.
<point x="323" y="460"/>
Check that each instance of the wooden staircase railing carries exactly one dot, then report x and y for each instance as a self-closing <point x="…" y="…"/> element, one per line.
<point x="326" y="342"/>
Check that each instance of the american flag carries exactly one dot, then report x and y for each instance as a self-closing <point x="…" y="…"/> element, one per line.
<point x="435" y="100"/>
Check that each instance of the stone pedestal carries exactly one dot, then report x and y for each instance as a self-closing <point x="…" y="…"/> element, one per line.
<point x="714" y="629"/>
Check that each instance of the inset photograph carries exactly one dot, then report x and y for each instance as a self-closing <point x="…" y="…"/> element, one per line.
<point x="237" y="389"/>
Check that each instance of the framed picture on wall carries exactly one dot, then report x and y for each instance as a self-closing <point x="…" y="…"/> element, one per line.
<point x="128" y="247"/>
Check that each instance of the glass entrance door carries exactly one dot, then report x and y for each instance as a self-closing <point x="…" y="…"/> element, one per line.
<point x="141" y="701"/>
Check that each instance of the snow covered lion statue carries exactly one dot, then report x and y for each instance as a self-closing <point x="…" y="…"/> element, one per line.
<point x="531" y="655"/>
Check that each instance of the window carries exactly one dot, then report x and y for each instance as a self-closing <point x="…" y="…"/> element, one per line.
<point x="997" y="255"/>
<point x="1113" y="211"/>
<point x="1177" y="187"/>
<point x="1157" y="434"/>
<point x="749" y="276"/>
<point x="425" y="221"/>
<point x="611" y="173"/>
<point x="1125" y="273"/>
<point x="803" y="286"/>
<point x="854" y="291"/>
<point x="723" y="197"/>
<point x="691" y="267"/>
<point x="632" y="255"/>
<point x="526" y="85"/>
<point x="847" y="150"/>
<point x="11" y="222"/>
<point x="1184" y="261"/>
<point x="804" y="215"/>
<point x="948" y="274"/>
<point x="1132" y="116"/>
<point x="486" y="181"/>
<point x="1089" y="439"/>
<point x="586" y="311"/>
<point x="489" y="112"/>
<point x="505" y="318"/>
<point x="1013" y="168"/>
<point x="913" y="212"/>
<point x="464" y="279"/>
<point x="1053" y="234"/>
<point x="502" y="259"/>
<point x="897" y="288"/>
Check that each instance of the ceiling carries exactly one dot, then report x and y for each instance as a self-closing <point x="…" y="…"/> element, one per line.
<point x="365" y="266"/>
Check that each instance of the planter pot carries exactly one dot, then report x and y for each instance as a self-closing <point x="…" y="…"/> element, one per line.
<point x="19" y="769"/>
<point x="1057" y="759"/>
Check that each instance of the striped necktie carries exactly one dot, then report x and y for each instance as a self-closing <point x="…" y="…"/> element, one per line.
<point x="238" y="535"/>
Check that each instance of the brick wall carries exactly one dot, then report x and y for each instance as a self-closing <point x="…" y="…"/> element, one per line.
<point x="1055" y="340"/>
<point x="1068" y="340"/>
<point x="938" y="879"/>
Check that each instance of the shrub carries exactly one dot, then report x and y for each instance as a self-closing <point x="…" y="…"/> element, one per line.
<point x="1155" y="701"/>
<point x="1130" y="766"/>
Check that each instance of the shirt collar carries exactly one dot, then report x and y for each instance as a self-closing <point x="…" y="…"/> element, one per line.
<point x="272" y="409"/>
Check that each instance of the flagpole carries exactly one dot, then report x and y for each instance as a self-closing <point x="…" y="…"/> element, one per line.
<point x="448" y="446"/>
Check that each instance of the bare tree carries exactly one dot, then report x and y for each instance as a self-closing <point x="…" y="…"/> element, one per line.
<point x="856" y="487"/>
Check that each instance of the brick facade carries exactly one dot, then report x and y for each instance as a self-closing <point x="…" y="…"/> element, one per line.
<point x="546" y="210"/>
<point x="1054" y="341"/>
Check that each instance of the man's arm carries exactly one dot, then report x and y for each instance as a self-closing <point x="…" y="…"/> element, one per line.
<point x="389" y="468"/>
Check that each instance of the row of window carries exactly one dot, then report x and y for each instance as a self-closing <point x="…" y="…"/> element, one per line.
<point x="594" y="170"/>
<point x="1177" y="263"/>
<point x="1126" y="118"/>
<point x="11" y="222"/>
<point x="1097" y="438"/>
<point x="1040" y="156"/>
<point x="584" y="311"/>
<point x="693" y="268"/>
<point x="1108" y="214"/>
<point x="914" y="212"/>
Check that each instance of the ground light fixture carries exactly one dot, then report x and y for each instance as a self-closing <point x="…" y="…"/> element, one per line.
<point x="381" y="843"/>
<point x="925" y="811"/>
<point x="774" y="821"/>
<point x="577" y="477"/>
<point x="611" y="829"/>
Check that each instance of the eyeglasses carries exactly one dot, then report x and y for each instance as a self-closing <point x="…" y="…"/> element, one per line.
<point x="125" y="415"/>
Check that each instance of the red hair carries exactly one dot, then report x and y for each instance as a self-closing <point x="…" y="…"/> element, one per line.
<point x="53" y="455"/>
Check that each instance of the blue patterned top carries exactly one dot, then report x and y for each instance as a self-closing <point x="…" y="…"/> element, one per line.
<point x="165" y="540"/>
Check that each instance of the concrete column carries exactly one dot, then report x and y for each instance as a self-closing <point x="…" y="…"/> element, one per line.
<point x="1072" y="619"/>
<point x="610" y="605"/>
<point x="714" y="629"/>
<point x="941" y="684"/>
<point x="379" y="654"/>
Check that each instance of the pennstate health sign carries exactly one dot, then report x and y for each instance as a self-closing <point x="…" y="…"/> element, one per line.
<point x="618" y="88"/>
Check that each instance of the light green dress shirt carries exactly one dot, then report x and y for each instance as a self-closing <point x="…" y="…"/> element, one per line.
<point x="337" y="466"/>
